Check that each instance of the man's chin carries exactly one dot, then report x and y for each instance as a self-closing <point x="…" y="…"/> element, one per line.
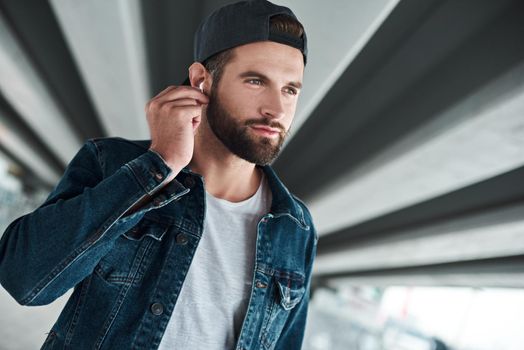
<point x="258" y="154"/>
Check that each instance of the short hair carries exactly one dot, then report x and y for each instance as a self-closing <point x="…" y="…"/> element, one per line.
<point x="278" y="23"/>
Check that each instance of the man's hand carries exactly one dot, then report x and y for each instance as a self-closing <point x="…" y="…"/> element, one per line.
<point x="173" y="117"/>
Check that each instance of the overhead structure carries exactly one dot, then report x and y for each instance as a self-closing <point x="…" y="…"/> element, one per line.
<point x="407" y="144"/>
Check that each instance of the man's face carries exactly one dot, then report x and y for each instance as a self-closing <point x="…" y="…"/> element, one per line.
<point x="251" y="109"/>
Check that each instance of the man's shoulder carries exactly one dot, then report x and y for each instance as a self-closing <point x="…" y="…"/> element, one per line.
<point x="113" y="152"/>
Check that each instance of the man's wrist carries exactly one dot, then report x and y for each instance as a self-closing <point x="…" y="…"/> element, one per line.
<point x="175" y="168"/>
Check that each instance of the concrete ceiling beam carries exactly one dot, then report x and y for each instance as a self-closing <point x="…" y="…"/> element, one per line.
<point x="27" y="93"/>
<point x="106" y="39"/>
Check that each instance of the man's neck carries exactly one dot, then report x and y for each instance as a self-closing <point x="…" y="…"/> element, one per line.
<point x="226" y="176"/>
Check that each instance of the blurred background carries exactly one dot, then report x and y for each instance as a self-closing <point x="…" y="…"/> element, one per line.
<point x="407" y="146"/>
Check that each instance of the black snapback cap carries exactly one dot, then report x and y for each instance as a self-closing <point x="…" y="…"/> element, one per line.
<point x="242" y="23"/>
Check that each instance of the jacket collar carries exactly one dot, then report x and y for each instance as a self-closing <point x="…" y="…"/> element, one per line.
<point x="284" y="203"/>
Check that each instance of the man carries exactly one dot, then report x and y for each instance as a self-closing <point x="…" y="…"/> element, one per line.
<point x="123" y="225"/>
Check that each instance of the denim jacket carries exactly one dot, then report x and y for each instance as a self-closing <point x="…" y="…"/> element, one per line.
<point x="127" y="268"/>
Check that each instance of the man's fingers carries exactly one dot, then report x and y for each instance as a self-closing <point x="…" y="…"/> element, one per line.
<point x="155" y="99"/>
<point x="186" y="96"/>
<point x="166" y="90"/>
<point x="190" y="111"/>
<point x="186" y="92"/>
<point x="181" y="102"/>
<point x="179" y="92"/>
<point x="196" y="122"/>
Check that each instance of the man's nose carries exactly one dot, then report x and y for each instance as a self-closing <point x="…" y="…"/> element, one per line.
<point x="273" y="105"/>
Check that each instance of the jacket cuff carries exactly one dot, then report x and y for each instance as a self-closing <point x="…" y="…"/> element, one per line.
<point x="152" y="172"/>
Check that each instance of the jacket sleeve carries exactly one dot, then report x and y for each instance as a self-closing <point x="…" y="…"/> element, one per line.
<point x="48" y="251"/>
<point x="292" y="334"/>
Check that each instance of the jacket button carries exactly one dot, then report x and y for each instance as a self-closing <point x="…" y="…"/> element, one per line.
<point x="157" y="309"/>
<point x="261" y="285"/>
<point x="159" y="176"/>
<point x="189" y="182"/>
<point x="181" y="239"/>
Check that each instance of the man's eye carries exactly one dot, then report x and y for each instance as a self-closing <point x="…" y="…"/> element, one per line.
<point x="255" y="81"/>
<point x="291" y="91"/>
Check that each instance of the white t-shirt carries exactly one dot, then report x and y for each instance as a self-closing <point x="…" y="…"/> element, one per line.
<point x="214" y="297"/>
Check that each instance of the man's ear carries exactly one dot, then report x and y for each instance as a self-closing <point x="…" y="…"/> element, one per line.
<point x="199" y="76"/>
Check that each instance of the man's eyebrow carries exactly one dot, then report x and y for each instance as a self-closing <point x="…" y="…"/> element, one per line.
<point x="252" y="73"/>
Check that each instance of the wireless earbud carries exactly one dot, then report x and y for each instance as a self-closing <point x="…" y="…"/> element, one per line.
<point x="201" y="86"/>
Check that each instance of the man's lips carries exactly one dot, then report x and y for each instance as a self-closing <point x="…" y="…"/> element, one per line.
<point x="265" y="130"/>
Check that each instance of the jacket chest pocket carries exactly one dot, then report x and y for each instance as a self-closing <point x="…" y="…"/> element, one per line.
<point x="287" y="290"/>
<point x="129" y="258"/>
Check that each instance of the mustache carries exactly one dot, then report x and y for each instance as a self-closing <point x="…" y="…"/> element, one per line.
<point x="266" y="122"/>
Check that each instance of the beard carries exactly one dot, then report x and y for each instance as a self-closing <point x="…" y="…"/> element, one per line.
<point x="238" y="137"/>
